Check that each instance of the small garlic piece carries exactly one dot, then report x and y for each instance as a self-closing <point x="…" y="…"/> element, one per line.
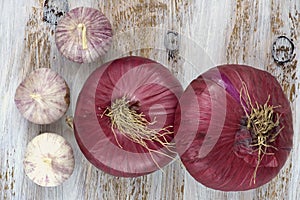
<point x="43" y="97"/>
<point x="49" y="160"/>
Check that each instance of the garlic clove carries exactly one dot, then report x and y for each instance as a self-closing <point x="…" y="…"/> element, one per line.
<point x="49" y="160"/>
<point x="83" y="35"/>
<point x="43" y="97"/>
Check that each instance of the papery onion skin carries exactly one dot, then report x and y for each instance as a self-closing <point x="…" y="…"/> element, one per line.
<point x="98" y="35"/>
<point x="151" y="89"/>
<point x="210" y="135"/>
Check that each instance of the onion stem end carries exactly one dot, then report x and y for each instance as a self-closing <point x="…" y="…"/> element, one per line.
<point x="262" y="123"/>
<point x="135" y="127"/>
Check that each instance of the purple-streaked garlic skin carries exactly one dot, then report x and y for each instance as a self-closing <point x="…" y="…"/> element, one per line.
<point x="49" y="160"/>
<point x="69" y="40"/>
<point x="43" y="96"/>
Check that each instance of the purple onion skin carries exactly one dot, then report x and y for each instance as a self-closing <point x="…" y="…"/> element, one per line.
<point x="210" y="130"/>
<point x="68" y="36"/>
<point x="153" y="90"/>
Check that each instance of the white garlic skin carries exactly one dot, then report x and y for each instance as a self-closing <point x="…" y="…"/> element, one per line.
<point x="43" y="97"/>
<point x="49" y="160"/>
<point x="98" y="35"/>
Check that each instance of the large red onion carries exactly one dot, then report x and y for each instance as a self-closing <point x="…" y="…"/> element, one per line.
<point x="215" y="131"/>
<point x="149" y="89"/>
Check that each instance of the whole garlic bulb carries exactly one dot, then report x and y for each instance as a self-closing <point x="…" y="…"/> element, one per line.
<point x="83" y="35"/>
<point x="43" y="96"/>
<point x="49" y="160"/>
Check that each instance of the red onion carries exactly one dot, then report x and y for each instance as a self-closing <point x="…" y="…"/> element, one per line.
<point x="124" y="116"/>
<point x="83" y="35"/>
<point x="233" y="128"/>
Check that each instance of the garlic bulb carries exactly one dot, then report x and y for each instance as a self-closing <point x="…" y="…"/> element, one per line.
<point x="43" y="97"/>
<point x="83" y="35"/>
<point x="49" y="160"/>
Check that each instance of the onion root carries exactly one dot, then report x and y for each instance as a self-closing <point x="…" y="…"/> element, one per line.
<point x="135" y="127"/>
<point x="261" y="121"/>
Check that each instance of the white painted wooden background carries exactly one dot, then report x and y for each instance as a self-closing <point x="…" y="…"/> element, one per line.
<point x="211" y="32"/>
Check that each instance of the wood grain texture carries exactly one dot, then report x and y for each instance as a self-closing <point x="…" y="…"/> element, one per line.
<point x="210" y="33"/>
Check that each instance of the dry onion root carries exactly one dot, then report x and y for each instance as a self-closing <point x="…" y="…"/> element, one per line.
<point x="135" y="127"/>
<point x="261" y="122"/>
